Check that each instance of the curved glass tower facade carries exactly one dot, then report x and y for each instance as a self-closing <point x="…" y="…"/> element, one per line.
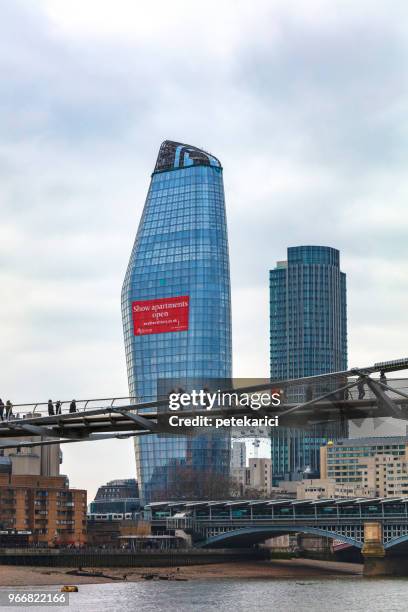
<point x="176" y="313"/>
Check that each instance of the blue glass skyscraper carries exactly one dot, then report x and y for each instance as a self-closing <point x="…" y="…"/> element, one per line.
<point x="308" y="336"/>
<point x="179" y="267"/>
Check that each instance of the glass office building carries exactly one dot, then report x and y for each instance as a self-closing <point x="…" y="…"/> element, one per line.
<point x="176" y="312"/>
<point x="308" y="336"/>
<point x="118" y="497"/>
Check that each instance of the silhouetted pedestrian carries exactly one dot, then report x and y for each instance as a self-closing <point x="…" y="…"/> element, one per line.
<point x="50" y="408"/>
<point x="58" y="407"/>
<point x="1" y="409"/>
<point x="9" y="410"/>
<point x="383" y="378"/>
<point x="72" y="406"/>
<point x="360" y="388"/>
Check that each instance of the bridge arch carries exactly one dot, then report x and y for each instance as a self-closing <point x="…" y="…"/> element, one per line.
<point x="255" y="535"/>
<point x="403" y="539"/>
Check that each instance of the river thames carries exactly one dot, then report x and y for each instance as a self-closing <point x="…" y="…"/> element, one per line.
<point x="348" y="594"/>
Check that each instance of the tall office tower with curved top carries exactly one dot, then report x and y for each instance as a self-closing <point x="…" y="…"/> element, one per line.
<point x="176" y="313"/>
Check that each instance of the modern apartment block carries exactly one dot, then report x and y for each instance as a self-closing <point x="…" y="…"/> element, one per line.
<point x="338" y="460"/>
<point x="176" y="313"/>
<point x="44" y="506"/>
<point x="377" y="466"/>
<point x="385" y="475"/>
<point x="308" y="336"/>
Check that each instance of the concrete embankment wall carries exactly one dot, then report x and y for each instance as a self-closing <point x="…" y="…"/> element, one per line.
<point x="61" y="558"/>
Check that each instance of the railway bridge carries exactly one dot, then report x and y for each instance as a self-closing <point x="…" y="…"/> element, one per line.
<point x="378" y="527"/>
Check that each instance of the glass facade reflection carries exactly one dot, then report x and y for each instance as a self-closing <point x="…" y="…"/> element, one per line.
<point x="308" y="336"/>
<point x="180" y="251"/>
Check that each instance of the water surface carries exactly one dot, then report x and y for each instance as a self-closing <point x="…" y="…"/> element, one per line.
<point x="348" y="594"/>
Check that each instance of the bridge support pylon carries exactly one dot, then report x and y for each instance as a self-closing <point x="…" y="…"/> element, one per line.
<point x="378" y="561"/>
<point x="373" y="551"/>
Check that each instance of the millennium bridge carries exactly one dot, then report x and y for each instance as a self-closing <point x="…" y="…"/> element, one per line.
<point x="357" y="393"/>
<point x="378" y="527"/>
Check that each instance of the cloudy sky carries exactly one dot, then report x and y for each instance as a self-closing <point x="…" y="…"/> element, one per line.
<point x="305" y="103"/>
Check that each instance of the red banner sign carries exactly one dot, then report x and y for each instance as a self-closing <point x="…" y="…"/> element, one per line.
<point x="160" y="316"/>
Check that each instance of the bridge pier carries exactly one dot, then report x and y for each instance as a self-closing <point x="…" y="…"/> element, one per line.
<point x="385" y="566"/>
<point x="378" y="561"/>
<point x="373" y="551"/>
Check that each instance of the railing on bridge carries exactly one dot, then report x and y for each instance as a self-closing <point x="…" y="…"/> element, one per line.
<point x="31" y="410"/>
<point x="40" y="409"/>
<point x="329" y="382"/>
<point x="342" y="395"/>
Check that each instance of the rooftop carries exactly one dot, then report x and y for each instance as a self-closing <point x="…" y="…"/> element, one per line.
<point x="371" y="441"/>
<point x="276" y="502"/>
<point x="174" y="155"/>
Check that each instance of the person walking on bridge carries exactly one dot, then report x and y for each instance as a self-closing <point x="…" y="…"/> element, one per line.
<point x="50" y="408"/>
<point x="9" y="410"/>
<point x="383" y="378"/>
<point x="1" y="409"/>
<point x="360" y="388"/>
<point x="72" y="406"/>
<point x="58" y="407"/>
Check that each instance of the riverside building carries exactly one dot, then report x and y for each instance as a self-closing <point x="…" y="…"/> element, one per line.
<point x="43" y="507"/>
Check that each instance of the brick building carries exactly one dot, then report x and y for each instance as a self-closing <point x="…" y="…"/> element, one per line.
<point x="44" y="506"/>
